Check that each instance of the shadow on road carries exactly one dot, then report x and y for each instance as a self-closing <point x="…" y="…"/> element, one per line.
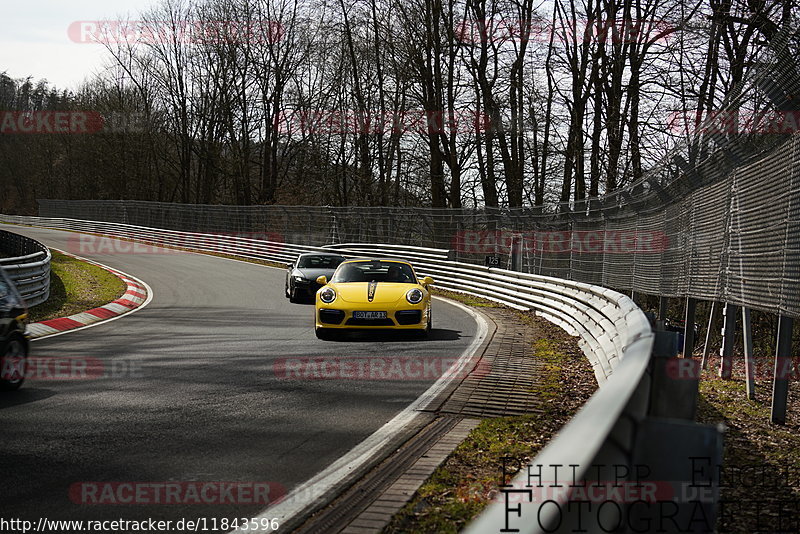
<point x="373" y="336"/>
<point x="24" y="395"/>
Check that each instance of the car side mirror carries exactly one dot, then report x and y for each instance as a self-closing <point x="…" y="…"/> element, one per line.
<point x="290" y="265"/>
<point x="322" y="280"/>
<point x="427" y="281"/>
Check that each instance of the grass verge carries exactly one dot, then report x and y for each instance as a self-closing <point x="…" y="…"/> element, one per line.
<point x="469" y="300"/>
<point x="76" y="286"/>
<point x="468" y="479"/>
<point x="760" y="488"/>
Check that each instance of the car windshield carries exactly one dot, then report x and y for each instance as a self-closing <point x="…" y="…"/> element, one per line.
<point x="319" y="262"/>
<point x="375" y="271"/>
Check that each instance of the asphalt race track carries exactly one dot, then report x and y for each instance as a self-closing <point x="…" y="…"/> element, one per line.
<point x="195" y="396"/>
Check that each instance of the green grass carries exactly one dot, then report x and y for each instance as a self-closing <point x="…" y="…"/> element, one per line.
<point x="748" y="421"/>
<point x="551" y="385"/>
<point x="469" y="300"/>
<point x="462" y="486"/>
<point x="752" y="440"/>
<point x="76" y="286"/>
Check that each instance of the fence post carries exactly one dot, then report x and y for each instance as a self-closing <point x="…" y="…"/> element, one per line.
<point x="663" y="308"/>
<point x="749" y="363"/>
<point x="707" y="345"/>
<point x="783" y="353"/>
<point x="516" y="252"/>
<point x="688" y="327"/>
<point x="728" y="333"/>
<point x="333" y="237"/>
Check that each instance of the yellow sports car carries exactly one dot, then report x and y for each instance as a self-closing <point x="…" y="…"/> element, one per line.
<point x="373" y="294"/>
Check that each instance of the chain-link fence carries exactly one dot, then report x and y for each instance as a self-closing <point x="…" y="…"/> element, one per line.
<point x="733" y="237"/>
<point x="716" y="220"/>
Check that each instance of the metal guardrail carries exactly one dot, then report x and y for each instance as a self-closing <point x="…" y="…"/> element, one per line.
<point x="276" y="251"/>
<point x="605" y="321"/>
<point x="638" y="423"/>
<point x="639" y="416"/>
<point x="28" y="267"/>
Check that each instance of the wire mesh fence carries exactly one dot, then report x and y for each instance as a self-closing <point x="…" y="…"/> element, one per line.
<point x="731" y="236"/>
<point x="716" y="219"/>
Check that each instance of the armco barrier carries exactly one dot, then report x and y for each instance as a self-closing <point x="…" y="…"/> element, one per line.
<point x="605" y="322"/>
<point x="636" y="428"/>
<point x="28" y="266"/>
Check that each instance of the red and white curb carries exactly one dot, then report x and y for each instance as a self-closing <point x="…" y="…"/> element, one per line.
<point x="137" y="294"/>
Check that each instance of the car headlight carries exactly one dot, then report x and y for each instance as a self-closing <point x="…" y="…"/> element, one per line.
<point x="414" y="296"/>
<point x="327" y="295"/>
<point x="299" y="279"/>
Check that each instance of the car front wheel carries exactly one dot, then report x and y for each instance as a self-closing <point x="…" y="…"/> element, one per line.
<point x="423" y="334"/>
<point x="293" y="298"/>
<point x="13" y="364"/>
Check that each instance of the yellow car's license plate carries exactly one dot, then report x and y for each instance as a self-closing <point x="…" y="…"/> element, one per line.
<point x="369" y="315"/>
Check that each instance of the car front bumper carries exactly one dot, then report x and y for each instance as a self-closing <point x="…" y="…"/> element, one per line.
<point x="410" y="317"/>
<point x="306" y="288"/>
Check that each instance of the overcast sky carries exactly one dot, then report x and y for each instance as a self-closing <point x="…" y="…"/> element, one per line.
<point x="34" y="39"/>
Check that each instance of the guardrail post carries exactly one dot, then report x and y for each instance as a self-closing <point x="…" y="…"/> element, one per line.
<point x="728" y="335"/>
<point x="673" y="391"/>
<point x="676" y="455"/>
<point x="783" y="353"/>
<point x="681" y="459"/>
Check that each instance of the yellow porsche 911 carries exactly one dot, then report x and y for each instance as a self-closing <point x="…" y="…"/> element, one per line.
<point x="373" y="294"/>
